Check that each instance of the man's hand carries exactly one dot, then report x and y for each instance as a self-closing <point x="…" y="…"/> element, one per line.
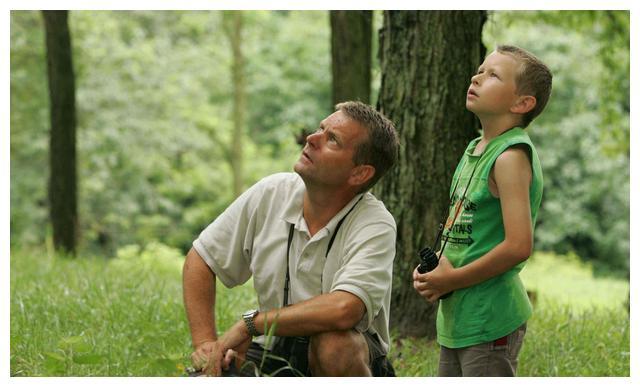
<point x="214" y="356"/>
<point x="434" y="284"/>
<point x="200" y="357"/>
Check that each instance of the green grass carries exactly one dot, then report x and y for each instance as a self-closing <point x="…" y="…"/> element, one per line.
<point x="564" y="280"/>
<point x="580" y="325"/>
<point x="124" y="317"/>
<point x="97" y="317"/>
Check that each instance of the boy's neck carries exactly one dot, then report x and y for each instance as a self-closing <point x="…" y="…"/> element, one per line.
<point x="492" y="127"/>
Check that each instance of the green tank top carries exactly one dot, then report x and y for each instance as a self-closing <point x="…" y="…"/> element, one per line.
<point x="494" y="308"/>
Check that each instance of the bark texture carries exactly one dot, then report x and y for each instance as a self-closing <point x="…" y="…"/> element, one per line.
<point x="351" y="55"/>
<point x="62" y="145"/>
<point x="427" y="60"/>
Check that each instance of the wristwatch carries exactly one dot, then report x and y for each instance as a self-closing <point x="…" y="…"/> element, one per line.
<point x="248" y="317"/>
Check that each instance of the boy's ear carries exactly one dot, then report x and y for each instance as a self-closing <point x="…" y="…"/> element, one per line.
<point x="524" y="104"/>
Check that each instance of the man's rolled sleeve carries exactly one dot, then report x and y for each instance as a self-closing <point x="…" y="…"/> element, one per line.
<point x="368" y="269"/>
<point x="230" y="271"/>
<point x="223" y="244"/>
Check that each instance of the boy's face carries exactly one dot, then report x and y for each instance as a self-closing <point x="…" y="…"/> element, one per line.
<point x="493" y="89"/>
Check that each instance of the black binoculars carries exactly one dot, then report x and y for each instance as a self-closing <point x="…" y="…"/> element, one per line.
<point x="429" y="261"/>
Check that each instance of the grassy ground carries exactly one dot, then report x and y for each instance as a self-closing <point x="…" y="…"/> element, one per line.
<point x="90" y="316"/>
<point x="124" y="317"/>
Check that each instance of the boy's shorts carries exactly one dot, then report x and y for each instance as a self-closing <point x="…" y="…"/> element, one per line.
<point x="495" y="358"/>
<point x="295" y="349"/>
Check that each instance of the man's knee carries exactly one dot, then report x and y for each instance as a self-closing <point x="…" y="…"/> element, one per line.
<point x="339" y="353"/>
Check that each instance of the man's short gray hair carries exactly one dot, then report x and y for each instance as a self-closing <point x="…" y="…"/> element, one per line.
<point x="380" y="149"/>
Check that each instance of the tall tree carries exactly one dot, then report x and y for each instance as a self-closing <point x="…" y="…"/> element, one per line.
<point x="62" y="145"/>
<point x="233" y="24"/>
<point x="427" y="60"/>
<point x="351" y="55"/>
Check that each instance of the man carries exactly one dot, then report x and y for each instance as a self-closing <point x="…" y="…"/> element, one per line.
<point x="320" y="249"/>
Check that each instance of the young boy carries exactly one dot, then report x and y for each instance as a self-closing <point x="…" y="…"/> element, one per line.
<point x="496" y="192"/>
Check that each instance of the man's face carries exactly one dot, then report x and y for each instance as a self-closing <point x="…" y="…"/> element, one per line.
<point x="493" y="88"/>
<point x="327" y="158"/>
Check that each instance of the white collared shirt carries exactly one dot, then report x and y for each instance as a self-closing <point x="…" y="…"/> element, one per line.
<point x="250" y="239"/>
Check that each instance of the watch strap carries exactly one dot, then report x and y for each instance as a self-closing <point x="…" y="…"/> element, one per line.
<point x="248" y="321"/>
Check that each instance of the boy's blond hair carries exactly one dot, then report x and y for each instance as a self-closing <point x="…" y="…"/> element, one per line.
<point x="533" y="78"/>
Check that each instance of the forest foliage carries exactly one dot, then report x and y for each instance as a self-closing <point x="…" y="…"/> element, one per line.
<point x="154" y="98"/>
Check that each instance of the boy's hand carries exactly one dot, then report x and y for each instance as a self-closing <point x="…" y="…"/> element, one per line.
<point x="435" y="283"/>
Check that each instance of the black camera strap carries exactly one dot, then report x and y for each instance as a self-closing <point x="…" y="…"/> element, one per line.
<point x="464" y="195"/>
<point x="457" y="211"/>
<point x="287" y="279"/>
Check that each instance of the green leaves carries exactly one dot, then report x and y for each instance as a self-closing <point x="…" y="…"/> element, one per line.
<point x="54" y="363"/>
<point x="154" y="118"/>
<point x="74" y="344"/>
<point x="72" y="351"/>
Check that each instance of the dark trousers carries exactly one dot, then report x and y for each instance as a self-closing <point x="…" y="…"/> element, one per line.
<point x="290" y="357"/>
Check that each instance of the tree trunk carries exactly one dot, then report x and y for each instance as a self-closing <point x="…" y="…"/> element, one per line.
<point x="62" y="145"/>
<point x="233" y="27"/>
<point x="427" y="60"/>
<point x="351" y="55"/>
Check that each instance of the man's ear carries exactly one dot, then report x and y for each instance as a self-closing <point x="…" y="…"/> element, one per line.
<point x="524" y="104"/>
<point x="361" y="174"/>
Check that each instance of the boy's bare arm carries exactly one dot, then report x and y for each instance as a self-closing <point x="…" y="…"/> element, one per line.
<point x="513" y="179"/>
